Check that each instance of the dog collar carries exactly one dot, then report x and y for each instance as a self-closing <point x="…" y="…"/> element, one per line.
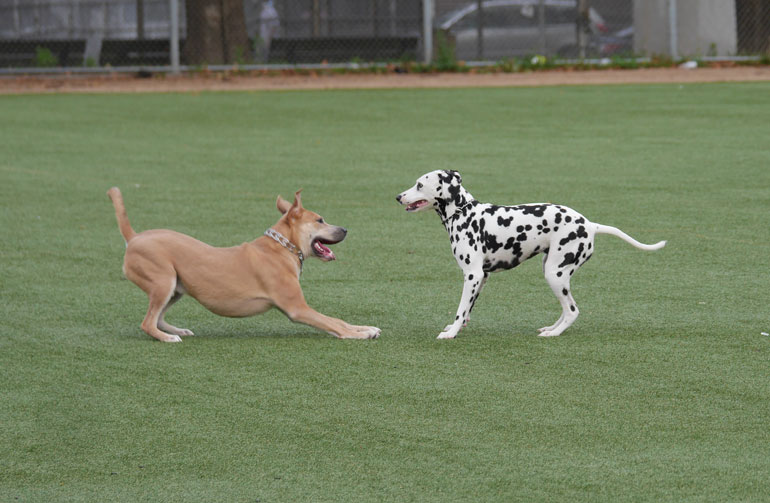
<point x="457" y="212"/>
<point x="277" y="236"/>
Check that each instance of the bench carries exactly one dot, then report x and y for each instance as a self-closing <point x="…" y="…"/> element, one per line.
<point x="145" y="52"/>
<point x="24" y="53"/>
<point x="341" y="49"/>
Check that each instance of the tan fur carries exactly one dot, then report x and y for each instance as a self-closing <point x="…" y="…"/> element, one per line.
<point x="239" y="281"/>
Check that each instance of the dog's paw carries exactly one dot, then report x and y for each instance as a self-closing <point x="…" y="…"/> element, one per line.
<point x="172" y="338"/>
<point x="184" y="332"/>
<point x="446" y="335"/>
<point x="361" y="333"/>
<point x="372" y="332"/>
<point x="547" y="333"/>
<point x="367" y="331"/>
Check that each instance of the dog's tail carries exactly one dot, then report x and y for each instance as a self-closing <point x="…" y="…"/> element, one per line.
<point x="120" y="214"/>
<point x="606" y="229"/>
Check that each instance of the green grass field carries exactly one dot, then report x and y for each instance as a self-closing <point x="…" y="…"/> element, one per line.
<point x="659" y="392"/>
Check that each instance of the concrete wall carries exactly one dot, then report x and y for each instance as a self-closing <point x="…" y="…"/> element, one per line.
<point x="704" y="27"/>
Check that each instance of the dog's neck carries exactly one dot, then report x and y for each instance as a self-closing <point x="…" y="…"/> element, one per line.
<point x="449" y="208"/>
<point x="281" y="233"/>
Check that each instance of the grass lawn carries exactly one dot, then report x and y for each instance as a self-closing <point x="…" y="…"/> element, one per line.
<point x="659" y="392"/>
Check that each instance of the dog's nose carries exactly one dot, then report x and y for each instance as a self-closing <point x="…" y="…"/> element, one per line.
<point x="398" y="198"/>
<point x="344" y="231"/>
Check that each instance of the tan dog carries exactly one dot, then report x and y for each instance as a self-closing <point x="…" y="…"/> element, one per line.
<point x="240" y="281"/>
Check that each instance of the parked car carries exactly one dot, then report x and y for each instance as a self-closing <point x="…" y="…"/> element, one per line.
<point x="515" y="28"/>
<point x="619" y="43"/>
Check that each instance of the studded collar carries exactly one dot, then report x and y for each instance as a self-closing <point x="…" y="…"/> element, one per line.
<point x="284" y="241"/>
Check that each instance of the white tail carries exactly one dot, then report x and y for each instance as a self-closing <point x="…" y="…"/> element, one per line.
<point x="606" y="229"/>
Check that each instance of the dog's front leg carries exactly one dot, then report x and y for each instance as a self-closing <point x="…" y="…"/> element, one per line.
<point x="471" y="289"/>
<point x="336" y="327"/>
<point x="291" y="301"/>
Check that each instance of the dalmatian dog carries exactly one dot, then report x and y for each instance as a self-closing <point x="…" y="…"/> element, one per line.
<point x="486" y="238"/>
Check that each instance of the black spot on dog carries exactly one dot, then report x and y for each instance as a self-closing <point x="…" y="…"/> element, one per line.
<point x="470" y="277"/>
<point x="567" y="239"/>
<point x="537" y="210"/>
<point x="504" y="222"/>
<point x="564" y="292"/>
<point x="558" y="274"/>
<point x="557" y="219"/>
<point x="568" y="219"/>
<point x="572" y="308"/>
<point x="501" y="265"/>
<point x="491" y="243"/>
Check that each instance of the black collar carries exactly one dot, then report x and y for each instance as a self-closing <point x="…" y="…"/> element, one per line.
<point x="457" y="212"/>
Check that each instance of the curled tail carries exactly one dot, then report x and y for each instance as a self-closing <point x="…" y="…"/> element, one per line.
<point x="606" y="229"/>
<point x="120" y="213"/>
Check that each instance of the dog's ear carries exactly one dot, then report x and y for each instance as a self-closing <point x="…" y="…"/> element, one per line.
<point x="298" y="198"/>
<point x="456" y="175"/>
<point x="297" y="204"/>
<point x="282" y="204"/>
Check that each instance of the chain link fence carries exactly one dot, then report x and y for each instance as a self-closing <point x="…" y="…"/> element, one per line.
<point x="99" y="34"/>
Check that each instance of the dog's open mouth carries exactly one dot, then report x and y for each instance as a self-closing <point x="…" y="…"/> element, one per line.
<point x="416" y="205"/>
<point x="321" y="250"/>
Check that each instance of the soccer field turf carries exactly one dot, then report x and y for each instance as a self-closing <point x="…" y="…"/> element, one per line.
<point x="659" y="392"/>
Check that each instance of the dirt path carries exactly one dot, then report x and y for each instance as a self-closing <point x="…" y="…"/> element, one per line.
<point x="122" y="83"/>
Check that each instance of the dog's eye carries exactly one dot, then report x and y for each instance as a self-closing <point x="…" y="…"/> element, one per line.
<point x="419" y="186"/>
<point x="320" y="220"/>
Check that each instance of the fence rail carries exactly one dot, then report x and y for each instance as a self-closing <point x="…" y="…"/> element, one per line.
<point x="91" y="35"/>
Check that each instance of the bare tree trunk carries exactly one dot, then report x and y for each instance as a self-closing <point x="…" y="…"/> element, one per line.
<point x="234" y="36"/>
<point x="216" y="32"/>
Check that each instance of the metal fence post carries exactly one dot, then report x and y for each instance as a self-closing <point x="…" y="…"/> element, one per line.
<point x="479" y="29"/>
<point x="672" y="30"/>
<point x="541" y="25"/>
<point x="427" y="31"/>
<point x="582" y="35"/>
<point x="174" y="35"/>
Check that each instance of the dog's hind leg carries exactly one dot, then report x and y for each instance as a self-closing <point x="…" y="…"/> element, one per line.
<point x="160" y="295"/>
<point x="569" y="310"/>
<point x="159" y="281"/>
<point x="167" y="327"/>
<point x="558" y="278"/>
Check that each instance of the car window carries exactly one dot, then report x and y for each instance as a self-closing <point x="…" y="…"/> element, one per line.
<point x="560" y="15"/>
<point x="467" y="21"/>
<point x="513" y="16"/>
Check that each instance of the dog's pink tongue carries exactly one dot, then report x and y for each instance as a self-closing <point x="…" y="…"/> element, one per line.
<point x="325" y="251"/>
